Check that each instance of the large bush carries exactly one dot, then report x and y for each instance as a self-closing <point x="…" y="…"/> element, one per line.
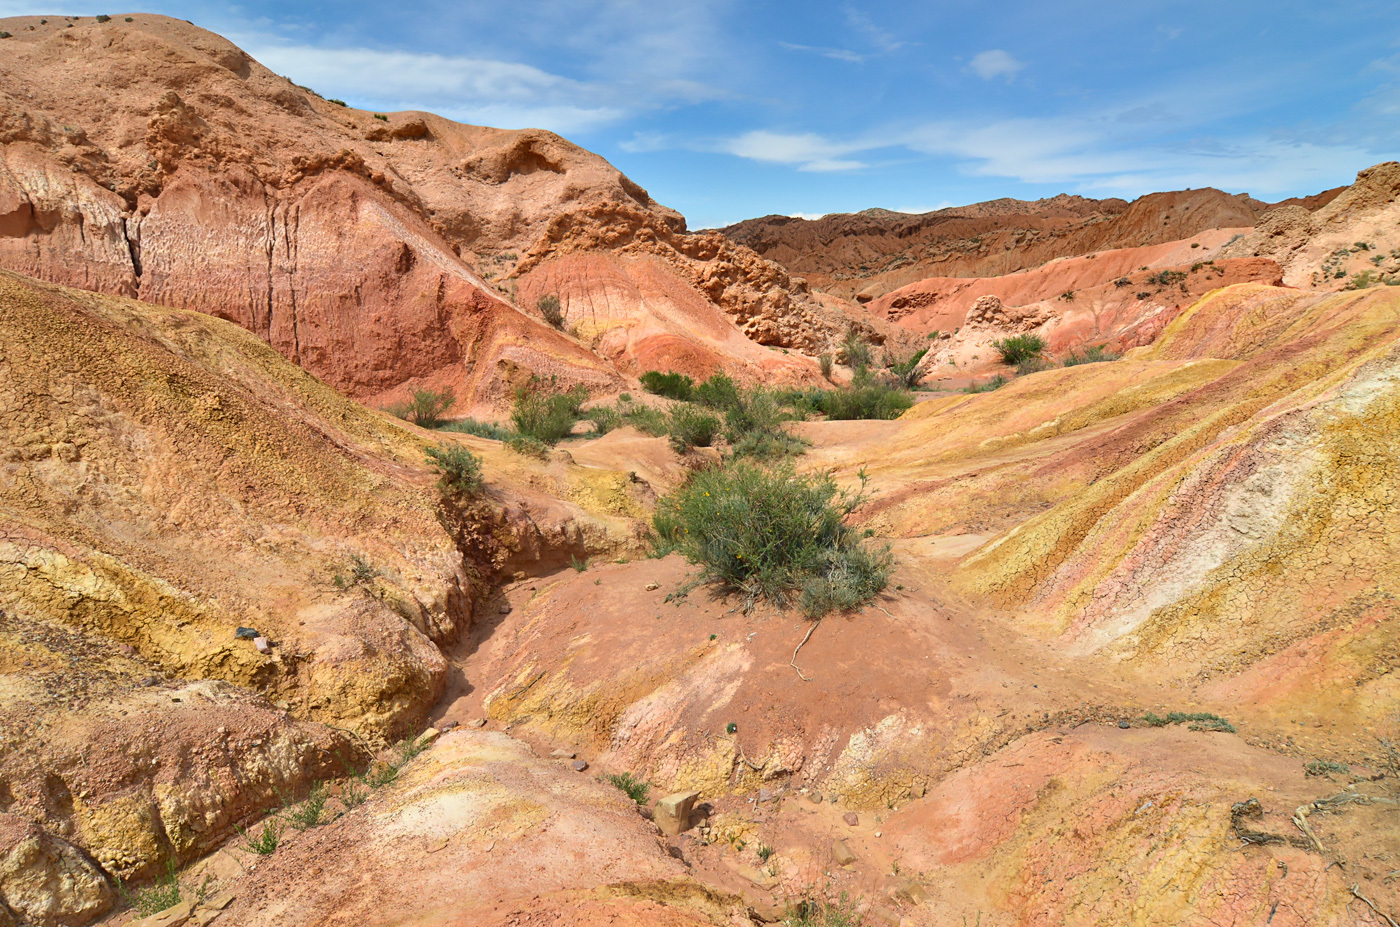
<point x="459" y="470"/>
<point x="426" y="408"/>
<point x="545" y="416"/>
<point x="864" y="398"/>
<point x="691" y="426"/>
<point x="670" y="385"/>
<point x="772" y="534"/>
<point x="1016" y="349"/>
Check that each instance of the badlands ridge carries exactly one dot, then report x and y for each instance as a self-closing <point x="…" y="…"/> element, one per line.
<point x="230" y="582"/>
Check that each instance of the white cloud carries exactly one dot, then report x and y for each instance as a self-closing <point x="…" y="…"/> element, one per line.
<point x="837" y="54"/>
<point x="995" y="63"/>
<point x="809" y="216"/>
<point x="808" y="151"/>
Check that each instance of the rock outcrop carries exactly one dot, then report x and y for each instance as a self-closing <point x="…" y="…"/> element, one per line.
<point x="377" y="251"/>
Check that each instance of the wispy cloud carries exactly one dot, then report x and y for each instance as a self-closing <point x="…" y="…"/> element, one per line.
<point x="837" y="54"/>
<point x="877" y="36"/>
<point x="807" y="151"/>
<point x="995" y="63"/>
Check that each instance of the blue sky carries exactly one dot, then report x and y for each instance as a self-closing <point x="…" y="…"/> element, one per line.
<point x="727" y="110"/>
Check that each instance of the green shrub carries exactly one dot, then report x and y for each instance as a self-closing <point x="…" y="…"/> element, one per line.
<point x="647" y="420"/>
<point x="864" y="399"/>
<point x="820" y="913"/>
<point x="995" y="383"/>
<point x="1167" y="277"/>
<point x="528" y="447"/>
<point x="1032" y="365"/>
<point x="1017" y="348"/>
<point x="670" y="385"/>
<point x="470" y="426"/>
<point x="103" y="18"/>
<point x="1067" y="296"/>
<point x="1325" y="768"/>
<point x="545" y="416"/>
<point x="338" y="102"/>
<point x="426" y="408"/>
<point x="604" y="418"/>
<point x="1094" y="354"/>
<point x="772" y="534"/>
<point x="636" y="789"/>
<point x="691" y="426"/>
<point x="551" y="310"/>
<point x="353" y="793"/>
<point x="768" y="445"/>
<point x="856" y="351"/>
<point x="459" y="470"/>
<point x="381" y="117"/>
<point x="906" y="371"/>
<point x="824" y="364"/>
<point x="1199" y="721"/>
<point x="718" y="392"/>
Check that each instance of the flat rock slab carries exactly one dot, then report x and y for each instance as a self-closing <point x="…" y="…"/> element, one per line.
<point x="842" y="853"/>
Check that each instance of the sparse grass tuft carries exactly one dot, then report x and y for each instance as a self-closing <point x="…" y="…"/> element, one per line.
<point x="470" y="426"/>
<point x="265" y="842"/>
<point x="906" y="370"/>
<point x="995" y="383"/>
<point x="164" y="893"/>
<point x="764" y="851"/>
<point x="824" y="363"/>
<point x="310" y="812"/>
<point x="353" y="792"/>
<point x="636" y="789"/>
<point x="844" y="912"/>
<point x="1093" y="354"/>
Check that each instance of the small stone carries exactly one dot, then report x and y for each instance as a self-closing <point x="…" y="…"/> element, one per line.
<point x="842" y="853"/>
<point x="450" y="725"/>
<point x="246" y="633"/>
<point x="170" y="917"/>
<point x="580" y="765"/>
<point x="504" y="608"/>
<point x="563" y="754"/>
<point x="1124" y="725"/>
<point x="851" y="818"/>
<point x="428" y="736"/>
<point x="911" y="892"/>
<point x="917" y="790"/>
<point x="652" y="587"/>
<point x="479" y="722"/>
<point x="672" y="814"/>
<point x="815" y="798"/>
<point x="769" y="794"/>
<point x="262" y="644"/>
<point x="148" y="681"/>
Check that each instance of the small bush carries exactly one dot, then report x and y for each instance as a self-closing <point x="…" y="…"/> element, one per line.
<point x="769" y="533"/>
<point x="1017" y="348"/>
<point x="671" y="385"/>
<point x="1032" y="365"/>
<point x="265" y="842"/>
<point x="544" y="416"/>
<point x="1325" y="768"/>
<point x="551" y="310"/>
<point x="381" y="117"/>
<point x="103" y="18"/>
<point x="459" y="470"/>
<point x="426" y="408"/>
<point x="1067" y="296"/>
<point x="764" y="445"/>
<point x="470" y="426"/>
<point x="718" y="392"/>
<point x="690" y="427"/>
<point x="764" y="851"/>
<point x="1122" y="282"/>
<point x="338" y="102"/>
<point x="906" y="371"/>
<point x="604" y="418"/>
<point x="528" y="447"/>
<point x="636" y="789"/>
<point x="647" y="420"/>
<point x="824" y="363"/>
<point x="4" y="35"/>
<point x="865" y="399"/>
<point x="857" y="351"/>
<point x="310" y="812"/>
<point x="577" y="565"/>
<point x="1167" y="277"/>
<point x="1199" y="721"/>
<point x="995" y="383"/>
<point x="1094" y="354"/>
<point x="819" y="913"/>
<point x="353" y="793"/>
